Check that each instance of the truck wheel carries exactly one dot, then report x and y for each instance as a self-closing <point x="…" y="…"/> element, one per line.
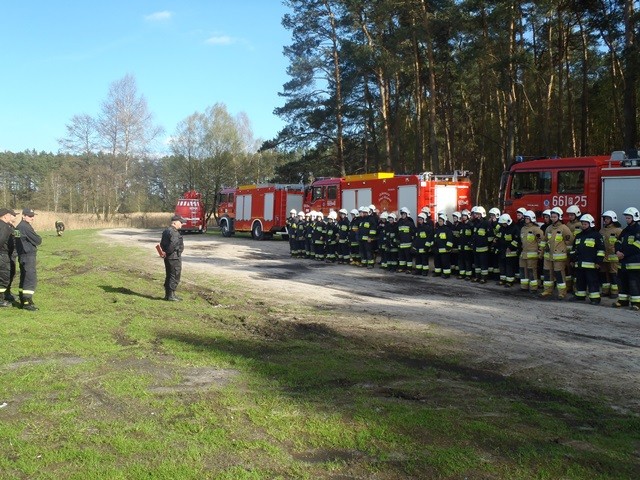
<point x="224" y="228"/>
<point x="256" y="231"/>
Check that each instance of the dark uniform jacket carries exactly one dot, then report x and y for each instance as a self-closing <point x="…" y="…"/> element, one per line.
<point x="629" y="244"/>
<point x="406" y="232"/>
<point x="6" y="238"/>
<point x="26" y="238"/>
<point x="172" y="243"/>
<point x="507" y="240"/>
<point x="423" y="238"/>
<point x="442" y="239"/>
<point x="588" y="249"/>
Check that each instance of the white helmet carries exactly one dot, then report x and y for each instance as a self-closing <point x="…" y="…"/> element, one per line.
<point x="393" y="216"/>
<point x="313" y="213"/>
<point x="354" y="211"/>
<point x="505" y="218"/>
<point x="521" y="211"/>
<point x="372" y="208"/>
<point x="423" y="216"/>
<point x="319" y="215"/>
<point x="343" y="211"/>
<point x="457" y="215"/>
<point x="557" y="211"/>
<point x="442" y="216"/>
<point x="575" y="210"/>
<point x="531" y="215"/>
<point x="633" y="212"/>
<point x="301" y="213"/>
<point x="426" y="210"/>
<point x="466" y="213"/>
<point x="384" y="216"/>
<point x="546" y="212"/>
<point x="292" y="211"/>
<point x="587" y="218"/>
<point x="366" y="210"/>
<point x="495" y="211"/>
<point x="405" y="210"/>
<point x="332" y="215"/>
<point x="308" y="214"/>
<point x="481" y="211"/>
<point x="361" y="208"/>
<point x="611" y="214"/>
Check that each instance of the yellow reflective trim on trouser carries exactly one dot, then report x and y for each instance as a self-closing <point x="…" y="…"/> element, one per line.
<point x="27" y="292"/>
<point x="631" y="266"/>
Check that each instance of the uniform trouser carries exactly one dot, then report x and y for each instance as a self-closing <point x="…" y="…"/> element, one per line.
<point x="405" y="258"/>
<point x="366" y="252"/>
<point x="392" y="258"/>
<point x="454" y="260"/>
<point x="609" y="278"/>
<point x="481" y="263"/>
<point x="318" y="248"/>
<point x="442" y="263"/>
<point x="343" y="250"/>
<point x="12" y="262"/>
<point x="330" y="250"/>
<point x="354" y="248"/>
<point x="466" y="263"/>
<point x="494" y="263"/>
<point x="508" y="267"/>
<point x="300" y="246"/>
<point x="5" y="273"/>
<point x="529" y="276"/>
<point x="629" y="284"/>
<point x="422" y="262"/>
<point x="292" y="245"/>
<point x="555" y="270"/>
<point x="173" y="270"/>
<point x="28" y="277"/>
<point x="587" y="281"/>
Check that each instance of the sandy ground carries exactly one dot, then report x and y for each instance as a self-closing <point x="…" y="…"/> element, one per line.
<point x="587" y="350"/>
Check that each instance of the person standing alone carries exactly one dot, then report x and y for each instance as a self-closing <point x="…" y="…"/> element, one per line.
<point x="172" y="245"/>
<point x="27" y="242"/>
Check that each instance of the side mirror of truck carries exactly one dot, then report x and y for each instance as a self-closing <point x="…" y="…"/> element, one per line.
<point x="517" y="194"/>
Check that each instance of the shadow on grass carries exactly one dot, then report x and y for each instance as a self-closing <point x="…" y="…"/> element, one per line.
<point x="127" y="291"/>
<point x="433" y="402"/>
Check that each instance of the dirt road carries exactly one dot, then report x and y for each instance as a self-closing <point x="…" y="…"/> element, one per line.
<point x="593" y="351"/>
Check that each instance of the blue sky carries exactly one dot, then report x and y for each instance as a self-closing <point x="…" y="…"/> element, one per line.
<point x="59" y="58"/>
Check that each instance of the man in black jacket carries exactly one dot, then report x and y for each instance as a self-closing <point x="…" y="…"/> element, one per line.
<point x="172" y="245"/>
<point x="7" y="217"/>
<point x="27" y="242"/>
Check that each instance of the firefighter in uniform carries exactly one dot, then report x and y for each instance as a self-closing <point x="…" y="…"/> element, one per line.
<point x="421" y="245"/>
<point x="573" y="215"/>
<point x="367" y="230"/>
<point x="291" y="231"/>
<point x="455" y="231"/>
<point x="331" y="237"/>
<point x="520" y="222"/>
<point x="628" y="252"/>
<point x="381" y="237"/>
<point x="301" y="225"/>
<point x="587" y="254"/>
<point x="310" y="220"/>
<point x="343" y="237"/>
<point x="480" y="242"/>
<point x="465" y="255"/>
<point x="7" y="217"/>
<point x="558" y="241"/>
<point x="610" y="232"/>
<point x="494" y="258"/>
<point x="391" y="235"/>
<point x="172" y="245"/>
<point x="442" y="245"/>
<point x="27" y="242"/>
<point x="406" y="231"/>
<point x="354" y="245"/>
<point x="508" y="246"/>
<point x="318" y="236"/>
<point x="531" y="237"/>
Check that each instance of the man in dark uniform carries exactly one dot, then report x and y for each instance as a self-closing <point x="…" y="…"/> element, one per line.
<point x="27" y="242"/>
<point x="7" y="217"/>
<point x="172" y="245"/>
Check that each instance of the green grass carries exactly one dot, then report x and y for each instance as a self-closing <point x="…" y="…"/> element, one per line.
<point x="107" y="381"/>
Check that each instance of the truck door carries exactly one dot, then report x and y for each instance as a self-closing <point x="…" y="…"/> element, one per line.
<point x="356" y="197"/>
<point x="530" y="189"/>
<point x="446" y="198"/>
<point x="243" y="207"/>
<point x="294" y="201"/>
<point x="268" y="207"/>
<point x="408" y="197"/>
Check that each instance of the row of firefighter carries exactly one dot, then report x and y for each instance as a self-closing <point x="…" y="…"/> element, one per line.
<point x="552" y="256"/>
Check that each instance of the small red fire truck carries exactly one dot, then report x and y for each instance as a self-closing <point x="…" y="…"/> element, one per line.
<point x="390" y="192"/>
<point x="259" y="209"/>
<point x="595" y="184"/>
<point x="191" y="207"/>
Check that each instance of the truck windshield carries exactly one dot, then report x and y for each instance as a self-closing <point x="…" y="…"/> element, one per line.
<point x="317" y="194"/>
<point x="530" y="182"/>
<point x="571" y="181"/>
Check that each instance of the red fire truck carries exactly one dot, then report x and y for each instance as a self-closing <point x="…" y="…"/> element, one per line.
<point x="390" y="192"/>
<point x="594" y="184"/>
<point x="191" y="207"/>
<point x="259" y="209"/>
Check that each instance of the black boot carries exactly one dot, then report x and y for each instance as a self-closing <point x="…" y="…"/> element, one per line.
<point x="171" y="297"/>
<point x="27" y="304"/>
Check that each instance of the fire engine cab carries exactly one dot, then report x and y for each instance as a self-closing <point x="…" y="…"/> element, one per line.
<point x="191" y="207"/>
<point x="390" y="192"/>
<point x="259" y="209"/>
<point x="595" y="184"/>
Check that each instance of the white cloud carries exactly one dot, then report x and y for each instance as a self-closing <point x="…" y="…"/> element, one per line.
<point x="220" y="40"/>
<point x="163" y="16"/>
